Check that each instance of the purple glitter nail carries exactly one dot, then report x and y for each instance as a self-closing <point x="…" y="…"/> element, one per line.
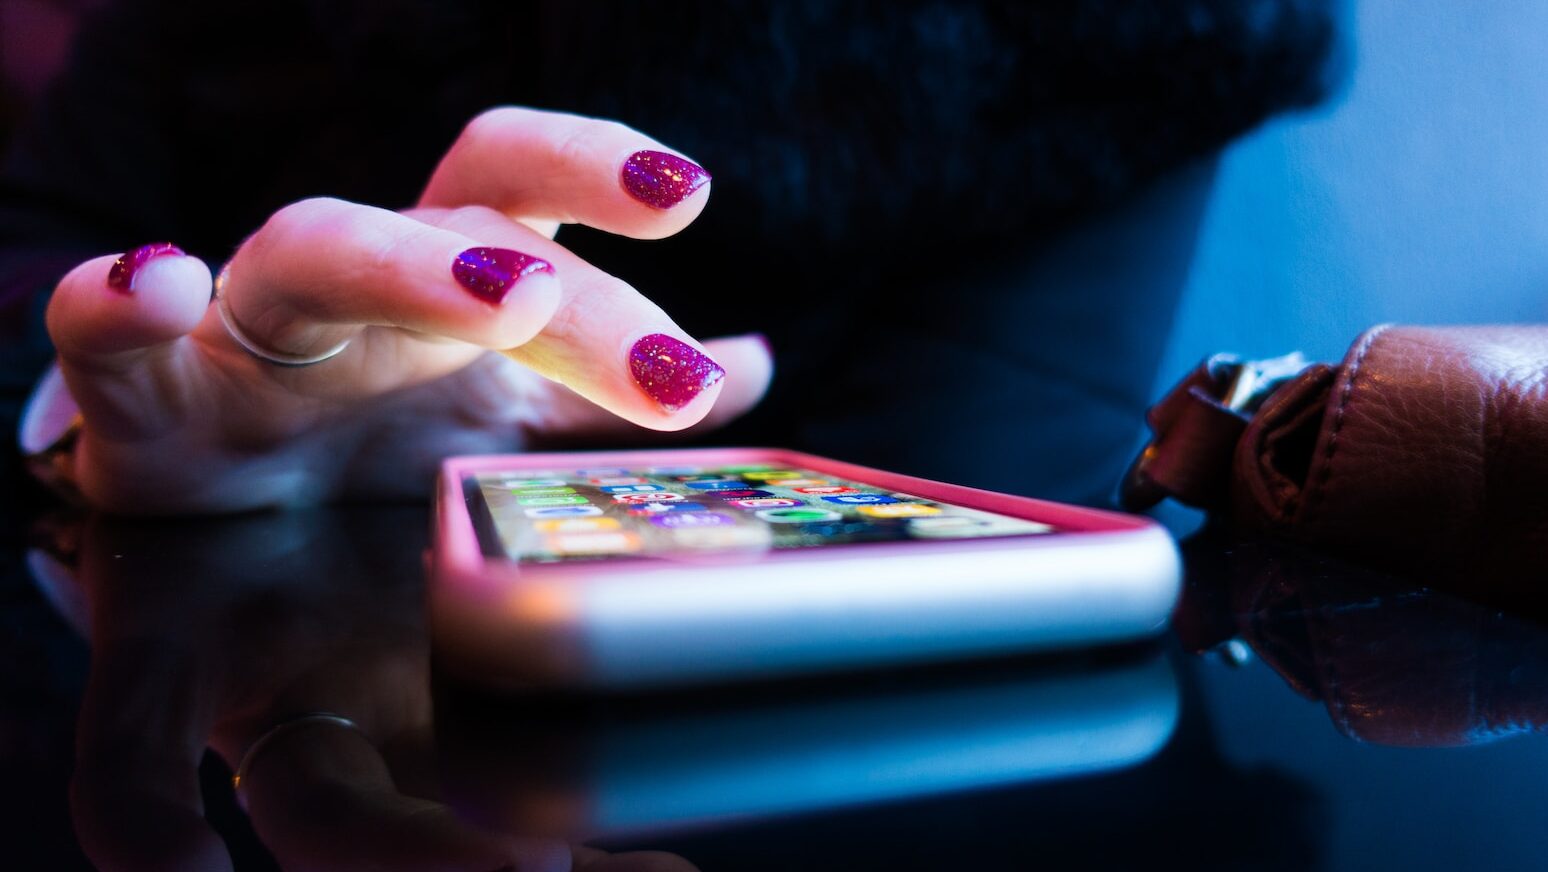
<point x="121" y="276"/>
<point x="489" y="273"/>
<point x="661" y="180"/>
<point x="670" y="371"/>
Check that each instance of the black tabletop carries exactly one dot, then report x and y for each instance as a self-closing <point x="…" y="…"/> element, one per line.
<point x="1302" y="713"/>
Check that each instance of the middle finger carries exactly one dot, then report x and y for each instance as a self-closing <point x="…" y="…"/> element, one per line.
<point x="607" y="342"/>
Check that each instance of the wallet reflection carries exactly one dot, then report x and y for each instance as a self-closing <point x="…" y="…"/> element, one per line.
<point x="628" y="766"/>
<point x="1395" y="660"/>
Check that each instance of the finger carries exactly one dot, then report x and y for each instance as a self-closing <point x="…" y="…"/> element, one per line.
<point x="144" y="718"/>
<point x="321" y="798"/>
<point x="749" y="369"/>
<point x="135" y="795"/>
<point x="749" y="364"/>
<point x="607" y="342"/>
<point x="320" y="270"/>
<point x="109" y="312"/>
<point x="118" y="325"/>
<point x="553" y="167"/>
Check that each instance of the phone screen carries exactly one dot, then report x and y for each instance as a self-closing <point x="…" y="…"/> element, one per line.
<point x="547" y="516"/>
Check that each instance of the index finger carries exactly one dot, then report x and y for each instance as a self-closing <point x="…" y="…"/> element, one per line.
<point x="537" y="166"/>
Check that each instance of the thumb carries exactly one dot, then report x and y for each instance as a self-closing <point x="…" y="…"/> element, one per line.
<point x="119" y="326"/>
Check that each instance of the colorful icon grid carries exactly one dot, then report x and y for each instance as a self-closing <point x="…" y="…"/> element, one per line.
<point x="555" y="515"/>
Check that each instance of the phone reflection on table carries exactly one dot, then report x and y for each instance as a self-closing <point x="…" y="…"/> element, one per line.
<point x="640" y="765"/>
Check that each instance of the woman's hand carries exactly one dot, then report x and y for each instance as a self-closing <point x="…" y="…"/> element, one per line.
<point x="180" y="417"/>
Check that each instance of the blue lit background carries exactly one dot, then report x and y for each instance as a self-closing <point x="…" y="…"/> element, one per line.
<point x="1419" y="194"/>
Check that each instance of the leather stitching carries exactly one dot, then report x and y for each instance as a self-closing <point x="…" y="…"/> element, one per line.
<point x="1325" y="475"/>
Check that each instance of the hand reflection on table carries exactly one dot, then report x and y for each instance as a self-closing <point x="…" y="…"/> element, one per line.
<point x="1395" y="661"/>
<point x="209" y="632"/>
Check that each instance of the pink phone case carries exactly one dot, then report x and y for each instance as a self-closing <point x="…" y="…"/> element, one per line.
<point x="624" y="622"/>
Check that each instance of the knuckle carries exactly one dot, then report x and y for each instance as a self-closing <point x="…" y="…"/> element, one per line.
<point x="474" y="220"/>
<point x="490" y="124"/>
<point x="572" y="147"/>
<point x="603" y="302"/>
<point x="295" y="220"/>
<point x="312" y="256"/>
<point x="356" y="233"/>
<point x="579" y="144"/>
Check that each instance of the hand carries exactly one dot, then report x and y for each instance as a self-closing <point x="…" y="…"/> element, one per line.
<point x="209" y="633"/>
<point x="179" y="417"/>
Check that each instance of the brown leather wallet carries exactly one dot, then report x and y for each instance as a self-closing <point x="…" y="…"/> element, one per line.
<point x="1425" y="450"/>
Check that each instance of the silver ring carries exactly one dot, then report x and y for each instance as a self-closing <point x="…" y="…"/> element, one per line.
<point x="245" y="765"/>
<point x="253" y="348"/>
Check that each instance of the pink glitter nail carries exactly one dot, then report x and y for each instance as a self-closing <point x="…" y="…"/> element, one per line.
<point x="121" y="276"/>
<point x="670" y="371"/>
<point x="661" y="180"/>
<point x="489" y="273"/>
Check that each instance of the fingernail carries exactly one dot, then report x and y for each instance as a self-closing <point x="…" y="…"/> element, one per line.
<point x="121" y="276"/>
<point x="489" y="273"/>
<point x="670" y="371"/>
<point x="662" y="180"/>
<point x="768" y="348"/>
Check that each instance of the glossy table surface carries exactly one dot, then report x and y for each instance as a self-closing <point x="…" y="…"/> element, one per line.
<point x="1301" y="714"/>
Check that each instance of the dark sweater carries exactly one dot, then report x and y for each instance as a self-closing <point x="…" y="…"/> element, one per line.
<point x="963" y="226"/>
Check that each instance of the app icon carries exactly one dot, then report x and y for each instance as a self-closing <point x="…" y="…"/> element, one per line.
<point x="652" y="497"/>
<point x="631" y="488"/>
<point x="674" y="470"/>
<point x="601" y="472"/>
<point x="656" y="508"/>
<point x="899" y="510"/>
<point x="769" y="474"/>
<point x="569" y="500"/>
<point x="737" y="494"/>
<point x="516" y="477"/>
<point x="564" y="512"/>
<point x="611" y="480"/>
<point x="576" y="525"/>
<point x="620" y="542"/>
<point x="943" y="522"/>
<point x="860" y="499"/>
<point x="764" y="503"/>
<point x="677" y="520"/>
<point x="949" y="527"/>
<point x="723" y="537"/>
<point x="797" y="482"/>
<point x="716" y="484"/>
<point x="749" y="468"/>
<point x="797" y="516"/>
<point x="829" y="490"/>
<point x="532" y="483"/>
<point x="542" y="491"/>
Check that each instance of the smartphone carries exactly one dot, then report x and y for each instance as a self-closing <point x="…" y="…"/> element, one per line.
<point x="657" y="568"/>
